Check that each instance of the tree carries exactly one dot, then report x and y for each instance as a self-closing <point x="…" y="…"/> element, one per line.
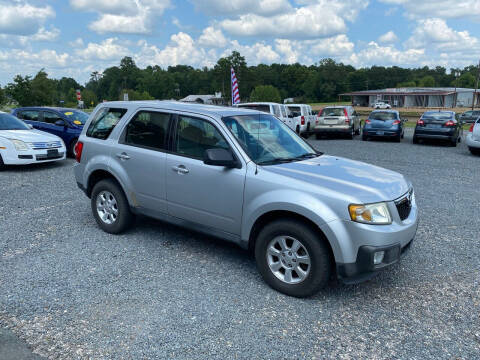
<point x="265" y="93"/>
<point x="21" y="90"/>
<point x="427" y="81"/>
<point x="44" y="89"/>
<point x="2" y="96"/>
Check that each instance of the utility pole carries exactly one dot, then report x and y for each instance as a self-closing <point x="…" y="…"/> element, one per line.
<point x="456" y="73"/>
<point x="476" y="87"/>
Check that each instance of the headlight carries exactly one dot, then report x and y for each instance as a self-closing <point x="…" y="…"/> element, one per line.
<point x="377" y="214"/>
<point x="19" y="145"/>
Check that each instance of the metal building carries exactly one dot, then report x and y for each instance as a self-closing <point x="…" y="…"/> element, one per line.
<point x="416" y="97"/>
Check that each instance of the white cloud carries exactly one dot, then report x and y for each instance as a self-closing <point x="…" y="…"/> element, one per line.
<point x="437" y="34"/>
<point x="22" y="18"/>
<point x="109" y="49"/>
<point x="118" y="16"/>
<point x="212" y="37"/>
<point x="77" y="43"/>
<point x="46" y="35"/>
<point x="321" y="19"/>
<point x="388" y="38"/>
<point x="375" y="54"/>
<point x="439" y="8"/>
<point x="229" y="7"/>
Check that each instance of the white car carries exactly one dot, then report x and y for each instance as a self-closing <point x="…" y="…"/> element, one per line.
<point x="382" y="105"/>
<point x="303" y="118"/>
<point x="473" y="138"/>
<point x="20" y="144"/>
<point x="278" y="110"/>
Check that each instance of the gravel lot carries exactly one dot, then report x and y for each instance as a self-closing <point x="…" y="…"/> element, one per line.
<point x="71" y="291"/>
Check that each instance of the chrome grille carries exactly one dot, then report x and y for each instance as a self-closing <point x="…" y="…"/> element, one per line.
<point x="46" y="145"/>
<point x="404" y="205"/>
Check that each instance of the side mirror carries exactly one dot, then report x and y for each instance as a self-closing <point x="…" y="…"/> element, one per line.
<point x="220" y="157"/>
<point x="60" y="123"/>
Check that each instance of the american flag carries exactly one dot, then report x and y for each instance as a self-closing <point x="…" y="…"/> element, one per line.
<point x="235" y="93"/>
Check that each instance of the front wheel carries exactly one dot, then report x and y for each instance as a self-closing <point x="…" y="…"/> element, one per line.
<point x="292" y="258"/>
<point x="110" y="207"/>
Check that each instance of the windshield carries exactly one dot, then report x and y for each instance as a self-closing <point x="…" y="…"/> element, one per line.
<point x="383" y="115"/>
<point x="10" y="122"/>
<point x="333" y="112"/>
<point x="263" y="108"/>
<point x="74" y="116"/>
<point x="267" y="140"/>
<point x="437" y="116"/>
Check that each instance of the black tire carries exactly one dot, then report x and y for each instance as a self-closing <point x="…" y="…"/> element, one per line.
<point x="357" y="132"/>
<point x="398" y="138"/>
<point x="297" y="130"/>
<point x="364" y="137"/>
<point x="2" y="165"/>
<point x="474" y="151"/>
<point x="415" y="139"/>
<point x="351" y="135"/>
<point x="320" y="259"/>
<point x="124" y="218"/>
<point x="318" y="136"/>
<point x="453" y="142"/>
<point x="403" y="135"/>
<point x="71" y="148"/>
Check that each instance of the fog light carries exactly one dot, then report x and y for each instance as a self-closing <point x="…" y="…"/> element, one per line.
<point x="378" y="257"/>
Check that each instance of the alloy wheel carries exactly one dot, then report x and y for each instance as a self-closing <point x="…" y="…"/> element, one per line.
<point x="107" y="207"/>
<point x="288" y="259"/>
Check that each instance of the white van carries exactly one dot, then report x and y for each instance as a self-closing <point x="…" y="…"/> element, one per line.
<point x="303" y="118"/>
<point x="279" y="110"/>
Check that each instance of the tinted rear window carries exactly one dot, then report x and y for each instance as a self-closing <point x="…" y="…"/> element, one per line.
<point x="383" y="115"/>
<point x="264" y="108"/>
<point x="104" y="122"/>
<point x="438" y="116"/>
<point x="333" y="112"/>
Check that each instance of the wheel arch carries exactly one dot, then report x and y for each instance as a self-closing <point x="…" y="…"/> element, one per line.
<point x="97" y="176"/>
<point x="273" y="215"/>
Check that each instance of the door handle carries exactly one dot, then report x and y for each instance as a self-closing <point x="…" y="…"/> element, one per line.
<point x="180" y="169"/>
<point x="123" y="156"/>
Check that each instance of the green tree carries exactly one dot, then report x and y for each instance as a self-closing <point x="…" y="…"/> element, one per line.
<point x="20" y="90"/>
<point x="2" y="96"/>
<point x="136" y="95"/>
<point x="427" y="81"/>
<point x="44" y="90"/>
<point x="265" y="93"/>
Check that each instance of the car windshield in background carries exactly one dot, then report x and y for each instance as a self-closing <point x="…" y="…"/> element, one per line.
<point x="10" y="122"/>
<point x="438" y="116"/>
<point x="267" y="140"/>
<point x="263" y="108"/>
<point x="383" y="115"/>
<point x="294" y="109"/>
<point x="333" y="112"/>
<point x="79" y="116"/>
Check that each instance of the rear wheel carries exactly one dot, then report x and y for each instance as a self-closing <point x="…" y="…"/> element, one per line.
<point x="364" y="137"/>
<point x="71" y="148"/>
<point x="398" y="138"/>
<point x="474" y="151"/>
<point x="292" y="258"/>
<point x="453" y="142"/>
<point x="110" y="207"/>
<point x="2" y="165"/>
<point x="351" y="135"/>
<point x="318" y="136"/>
<point x="415" y="139"/>
<point x="297" y="130"/>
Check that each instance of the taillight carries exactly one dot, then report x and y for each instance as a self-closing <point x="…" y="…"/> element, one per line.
<point x="302" y="120"/>
<point x="421" y="122"/>
<point x="449" y="123"/>
<point x="396" y="122"/>
<point x="471" y="128"/>
<point x="347" y="120"/>
<point x="78" y="151"/>
<point x="368" y="121"/>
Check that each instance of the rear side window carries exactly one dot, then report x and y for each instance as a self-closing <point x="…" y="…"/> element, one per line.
<point x="104" y="122"/>
<point x="29" y="115"/>
<point x="148" y="129"/>
<point x="276" y="111"/>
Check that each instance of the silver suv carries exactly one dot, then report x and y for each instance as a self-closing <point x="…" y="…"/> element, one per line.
<point x="244" y="176"/>
<point x="342" y="120"/>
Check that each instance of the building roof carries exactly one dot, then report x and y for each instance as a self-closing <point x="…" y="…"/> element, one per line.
<point x="411" y="91"/>
<point x="194" y="108"/>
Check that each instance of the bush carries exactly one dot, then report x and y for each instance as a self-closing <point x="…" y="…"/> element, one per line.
<point x="265" y="93"/>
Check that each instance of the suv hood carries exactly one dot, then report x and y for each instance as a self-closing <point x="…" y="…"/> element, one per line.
<point x="28" y="135"/>
<point x="365" y="182"/>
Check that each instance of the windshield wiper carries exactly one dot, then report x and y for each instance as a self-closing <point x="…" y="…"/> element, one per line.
<point x="277" y="161"/>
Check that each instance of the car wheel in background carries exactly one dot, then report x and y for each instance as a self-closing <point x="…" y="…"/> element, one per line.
<point x="351" y="135"/>
<point x="415" y="139"/>
<point x="71" y="148"/>
<point x="292" y="258"/>
<point x="357" y="132"/>
<point x="474" y="151"/>
<point x="2" y="165"/>
<point x="297" y="130"/>
<point x="110" y="207"/>
<point x="364" y="137"/>
<point x="398" y="138"/>
<point x="453" y="142"/>
<point x="318" y="136"/>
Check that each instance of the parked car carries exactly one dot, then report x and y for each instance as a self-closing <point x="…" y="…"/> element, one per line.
<point x="279" y="110"/>
<point x="473" y="138"/>
<point x="303" y="117"/>
<point x="383" y="124"/>
<point x="242" y="175"/>
<point x="438" y="125"/>
<point x="342" y="120"/>
<point x="382" y="105"/>
<point x="63" y="122"/>
<point x="21" y="145"/>
<point x="470" y="116"/>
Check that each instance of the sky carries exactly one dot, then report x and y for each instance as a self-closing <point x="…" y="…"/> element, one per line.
<point x="73" y="38"/>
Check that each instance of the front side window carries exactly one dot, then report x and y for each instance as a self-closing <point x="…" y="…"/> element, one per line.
<point x="29" y="115"/>
<point x="267" y="140"/>
<point x="104" y="122"/>
<point x="51" y="117"/>
<point x="276" y="111"/>
<point x="148" y="129"/>
<point x="195" y="136"/>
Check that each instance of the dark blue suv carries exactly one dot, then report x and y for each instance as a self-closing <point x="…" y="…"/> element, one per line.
<point x="63" y="122"/>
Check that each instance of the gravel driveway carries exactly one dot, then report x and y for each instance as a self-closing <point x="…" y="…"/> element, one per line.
<point x="71" y="291"/>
